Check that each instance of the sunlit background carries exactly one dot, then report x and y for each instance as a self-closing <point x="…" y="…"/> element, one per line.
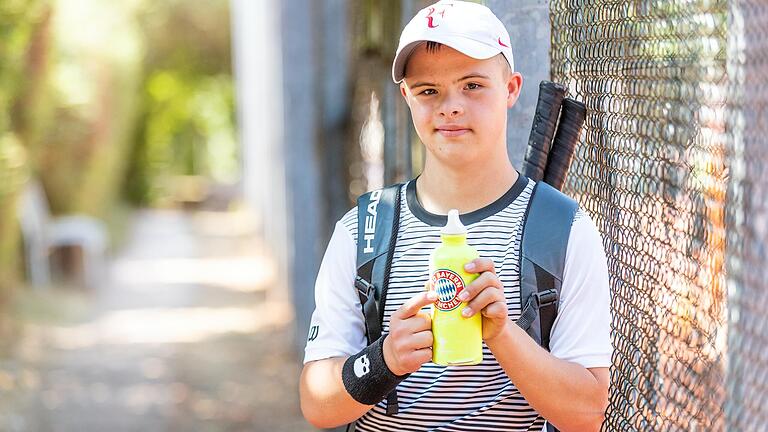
<point x="171" y="170"/>
<point x="137" y="290"/>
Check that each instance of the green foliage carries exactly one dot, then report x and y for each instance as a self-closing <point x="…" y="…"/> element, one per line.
<point x="13" y="174"/>
<point x="188" y="125"/>
<point x="91" y="91"/>
<point x="18" y="21"/>
<point x="92" y="84"/>
<point x="189" y="129"/>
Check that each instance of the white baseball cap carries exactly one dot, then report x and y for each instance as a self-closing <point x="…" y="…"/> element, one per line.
<point x="469" y="28"/>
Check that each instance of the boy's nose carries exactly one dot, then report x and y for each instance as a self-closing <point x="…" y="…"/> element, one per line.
<point x="451" y="106"/>
<point x="452" y="113"/>
<point x="451" y="110"/>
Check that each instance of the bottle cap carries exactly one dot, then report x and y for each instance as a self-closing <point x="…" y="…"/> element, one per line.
<point x="454" y="225"/>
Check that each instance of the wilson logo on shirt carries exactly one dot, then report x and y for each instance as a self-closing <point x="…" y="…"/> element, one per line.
<point x="313" y="332"/>
<point x="448" y="285"/>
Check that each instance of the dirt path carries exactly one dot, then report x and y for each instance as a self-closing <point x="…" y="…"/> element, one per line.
<point x="180" y="338"/>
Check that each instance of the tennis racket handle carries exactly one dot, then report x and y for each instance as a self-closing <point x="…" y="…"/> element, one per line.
<point x="543" y="129"/>
<point x="572" y="116"/>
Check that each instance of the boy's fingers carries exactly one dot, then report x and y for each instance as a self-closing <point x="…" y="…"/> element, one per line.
<point x="418" y="322"/>
<point x="421" y="340"/>
<point x="422" y="321"/>
<point x="423" y="355"/>
<point x="497" y="310"/>
<point x="487" y="279"/>
<point x="414" y="304"/>
<point x="479" y="265"/>
<point x="483" y="299"/>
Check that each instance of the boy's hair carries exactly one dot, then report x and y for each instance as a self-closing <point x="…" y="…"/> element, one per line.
<point x="433" y="47"/>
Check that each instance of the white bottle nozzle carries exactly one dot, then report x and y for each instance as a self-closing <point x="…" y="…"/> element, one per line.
<point x="454" y="225"/>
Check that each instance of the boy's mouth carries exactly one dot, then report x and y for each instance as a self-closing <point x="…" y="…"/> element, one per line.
<point x="452" y="130"/>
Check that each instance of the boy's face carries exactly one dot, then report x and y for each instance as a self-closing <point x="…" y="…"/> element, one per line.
<point x="459" y="104"/>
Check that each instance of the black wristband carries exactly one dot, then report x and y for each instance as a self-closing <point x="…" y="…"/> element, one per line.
<point x="366" y="376"/>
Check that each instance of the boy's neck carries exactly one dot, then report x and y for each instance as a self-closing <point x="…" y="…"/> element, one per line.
<point x="440" y="188"/>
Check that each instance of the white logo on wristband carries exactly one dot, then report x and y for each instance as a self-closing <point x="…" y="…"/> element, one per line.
<point x="362" y="366"/>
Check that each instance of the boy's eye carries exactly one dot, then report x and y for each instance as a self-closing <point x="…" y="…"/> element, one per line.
<point x="429" y="92"/>
<point x="473" y="86"/>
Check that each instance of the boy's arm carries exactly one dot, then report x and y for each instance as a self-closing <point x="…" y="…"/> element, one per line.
<point x="325" y="398"/>
<point x="324" y="401"/>
<point x="568" y="395"/>
<point x="338" y="330"/>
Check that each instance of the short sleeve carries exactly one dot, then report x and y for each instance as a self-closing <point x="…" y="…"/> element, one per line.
<point x="337" y="327"/>
<point x="581" y="332"/>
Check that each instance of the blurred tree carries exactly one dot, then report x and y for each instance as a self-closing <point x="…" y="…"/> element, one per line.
<point x="82" y="151"/>
<point x="20" y="22"/>
<point x="187" y="114"/>
<point x="90" y="88"/>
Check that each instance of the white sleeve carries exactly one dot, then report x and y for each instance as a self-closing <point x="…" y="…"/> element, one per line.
<point x="582" y="329"/>
<point x="337" y="327"/>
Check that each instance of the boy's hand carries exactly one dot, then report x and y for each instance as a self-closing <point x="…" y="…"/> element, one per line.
<point x="409" y="343"/>
<point x="485" y="295"/>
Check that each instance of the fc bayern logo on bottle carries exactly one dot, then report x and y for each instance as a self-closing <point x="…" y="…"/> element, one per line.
<point x="447" y="285"/>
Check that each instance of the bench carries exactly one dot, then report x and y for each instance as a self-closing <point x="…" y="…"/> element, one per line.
<point x="42" y="233"/>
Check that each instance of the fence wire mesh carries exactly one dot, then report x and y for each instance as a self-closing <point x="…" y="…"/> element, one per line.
<point x="747" y="238"/>
<point x="651" y="171"/>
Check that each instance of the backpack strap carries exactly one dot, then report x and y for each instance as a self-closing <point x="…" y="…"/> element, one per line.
<point x="546" y="230"/>
<point x="378" y="219"/>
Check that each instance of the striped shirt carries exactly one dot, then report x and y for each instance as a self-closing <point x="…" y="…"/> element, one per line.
<point x="439" y="398"/>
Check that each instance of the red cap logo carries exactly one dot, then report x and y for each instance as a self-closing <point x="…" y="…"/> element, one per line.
<point x="432" y="15"/>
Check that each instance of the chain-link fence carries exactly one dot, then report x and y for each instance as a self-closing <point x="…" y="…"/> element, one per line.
<point x="747" y="239"/>
<point x="652" y="171"/>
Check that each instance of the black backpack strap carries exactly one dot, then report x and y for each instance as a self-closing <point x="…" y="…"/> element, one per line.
<point x="378" y="218"/>
<point x="546" y="230"/>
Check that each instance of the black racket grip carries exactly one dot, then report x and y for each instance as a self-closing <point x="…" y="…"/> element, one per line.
<point x="543" y="129"/>
<point x="572" y="116"/>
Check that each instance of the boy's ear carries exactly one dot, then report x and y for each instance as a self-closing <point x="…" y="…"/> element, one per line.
<point x="404" y="93"/>
<point x="514" y="84"/>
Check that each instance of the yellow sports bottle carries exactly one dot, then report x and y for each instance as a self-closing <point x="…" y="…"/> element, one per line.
<point x="457" y="340"/>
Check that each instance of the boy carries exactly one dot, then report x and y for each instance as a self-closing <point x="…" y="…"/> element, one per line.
<point x="455" y="70"/>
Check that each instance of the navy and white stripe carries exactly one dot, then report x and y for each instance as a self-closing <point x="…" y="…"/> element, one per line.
<point x="459" y="398"/>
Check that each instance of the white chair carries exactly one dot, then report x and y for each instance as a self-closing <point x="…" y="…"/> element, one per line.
<point x="41" y="233"/>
